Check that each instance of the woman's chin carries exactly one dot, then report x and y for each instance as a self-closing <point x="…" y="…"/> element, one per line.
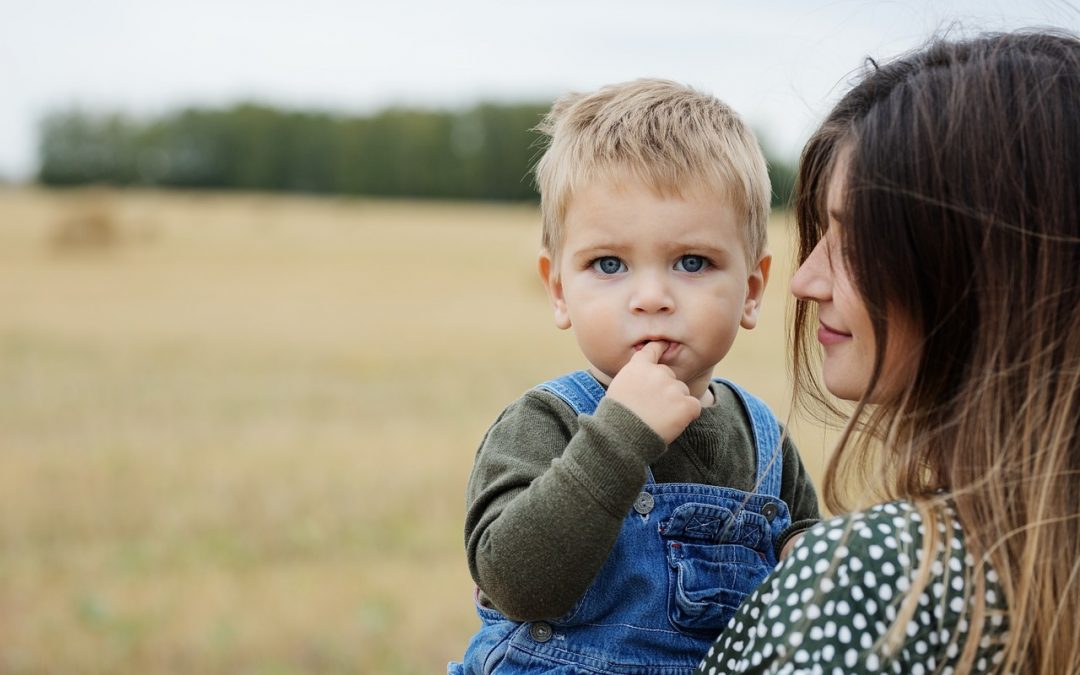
<point x="843" y="387"/>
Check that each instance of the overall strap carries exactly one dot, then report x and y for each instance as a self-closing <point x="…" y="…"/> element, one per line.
<point x="582" y="393"/>
<point x="766" y="428"/>
<point x="579" y="389"/>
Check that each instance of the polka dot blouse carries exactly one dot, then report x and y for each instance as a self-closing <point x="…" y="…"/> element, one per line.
<point x="827" y="607"/>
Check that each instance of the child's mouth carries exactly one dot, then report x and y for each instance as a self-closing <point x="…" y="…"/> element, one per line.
<point x="670" y="346"/>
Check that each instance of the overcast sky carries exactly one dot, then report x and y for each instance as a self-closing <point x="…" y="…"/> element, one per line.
<point x="780" y="63"/>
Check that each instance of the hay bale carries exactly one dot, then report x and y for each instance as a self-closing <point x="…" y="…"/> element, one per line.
<point x="88" y="224"/>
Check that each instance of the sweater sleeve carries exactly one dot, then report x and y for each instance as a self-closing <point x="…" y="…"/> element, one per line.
<point x="546" y="501"/>
<point x="797" y="491"/>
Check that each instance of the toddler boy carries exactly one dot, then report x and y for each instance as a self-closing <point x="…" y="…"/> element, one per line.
<point x="618" y="516"/>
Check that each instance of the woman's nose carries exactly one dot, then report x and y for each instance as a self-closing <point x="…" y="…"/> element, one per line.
<point x="813" y="279"/>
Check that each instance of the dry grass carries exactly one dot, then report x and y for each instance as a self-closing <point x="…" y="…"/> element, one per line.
<point x="235" y="438"/>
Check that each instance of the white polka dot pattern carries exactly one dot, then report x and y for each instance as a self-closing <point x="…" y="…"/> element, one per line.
<point x="828" y="606"/>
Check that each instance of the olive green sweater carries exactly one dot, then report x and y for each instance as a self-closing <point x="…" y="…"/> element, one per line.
<point x="549" y="491"/>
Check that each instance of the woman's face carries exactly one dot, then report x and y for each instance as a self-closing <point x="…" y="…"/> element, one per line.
<point x="844" y="329"/>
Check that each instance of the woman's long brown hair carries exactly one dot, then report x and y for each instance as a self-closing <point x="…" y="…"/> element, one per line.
<point x="962" y="222"/>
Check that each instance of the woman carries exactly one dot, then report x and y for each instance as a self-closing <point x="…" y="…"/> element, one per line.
<point x="938" y="209"/>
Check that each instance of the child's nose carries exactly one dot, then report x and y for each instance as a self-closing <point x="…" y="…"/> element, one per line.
<point x="651" y="295"/>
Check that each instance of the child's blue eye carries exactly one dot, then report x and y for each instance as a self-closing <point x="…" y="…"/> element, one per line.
<point x="691" y="263"/>
<point x="609" y="264"/>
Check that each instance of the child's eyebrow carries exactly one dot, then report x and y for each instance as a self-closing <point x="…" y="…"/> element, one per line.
<point x="718" y="250"/>
<point x="603" y="245"/>
<point x="703" y="245"/>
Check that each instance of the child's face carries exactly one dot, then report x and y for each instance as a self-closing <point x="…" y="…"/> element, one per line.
<point x="636" y="267"/>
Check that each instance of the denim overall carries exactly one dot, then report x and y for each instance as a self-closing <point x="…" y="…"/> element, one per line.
<point x="686" y="557"/>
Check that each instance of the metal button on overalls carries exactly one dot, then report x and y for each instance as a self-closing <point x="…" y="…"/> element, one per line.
<point x="644" y="503"/>
<point x="540" y="631"/>
<point x="769" y="511"/>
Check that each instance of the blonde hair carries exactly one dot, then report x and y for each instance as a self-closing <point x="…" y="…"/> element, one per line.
<point x="667" y="135"/>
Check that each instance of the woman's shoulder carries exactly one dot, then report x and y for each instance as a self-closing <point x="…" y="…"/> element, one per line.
<point x="866" y="558"/>
<point x="836" y="597"/>
<point x="887" y="532"/>
<point x="877" y="553"/>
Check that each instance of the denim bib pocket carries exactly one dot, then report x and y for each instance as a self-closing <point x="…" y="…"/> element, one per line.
<point x="714" y="560"/>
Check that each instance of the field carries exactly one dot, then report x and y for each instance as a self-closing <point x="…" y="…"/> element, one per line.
<point x="235" y="429"/>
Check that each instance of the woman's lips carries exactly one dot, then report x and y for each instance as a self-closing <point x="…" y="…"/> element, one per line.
<point x="828" y="335"/>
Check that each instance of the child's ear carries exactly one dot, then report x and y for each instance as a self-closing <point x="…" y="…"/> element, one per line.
<point x="755" y="291"/>
<point x="553" y="285"/>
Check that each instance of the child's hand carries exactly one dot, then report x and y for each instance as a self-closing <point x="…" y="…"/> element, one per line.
<point x="653" y="393"/>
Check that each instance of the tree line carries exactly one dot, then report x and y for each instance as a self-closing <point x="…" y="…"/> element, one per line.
<point x="483" y="152"/>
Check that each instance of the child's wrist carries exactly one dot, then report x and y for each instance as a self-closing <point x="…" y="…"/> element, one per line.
<point x="634" y="431"/>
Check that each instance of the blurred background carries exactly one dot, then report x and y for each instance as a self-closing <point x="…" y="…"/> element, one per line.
<point x="267" y="275"/>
